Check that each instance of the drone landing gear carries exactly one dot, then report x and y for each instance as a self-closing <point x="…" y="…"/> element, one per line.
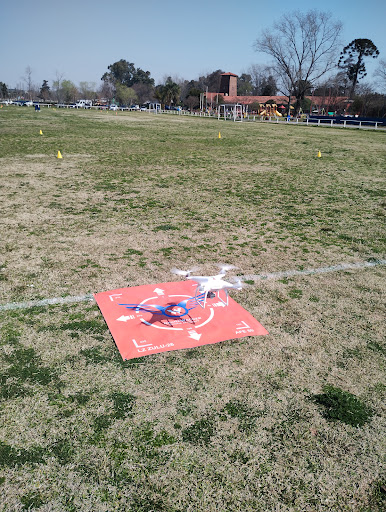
<point x="167" y="321"/>
<point x="225" y="302"/>
<point x="211" y="295"/>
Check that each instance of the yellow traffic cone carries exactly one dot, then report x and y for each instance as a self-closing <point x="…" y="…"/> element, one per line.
<point x="219" y="135"/>
<point x="59" y="154"/>
<point x="41" y="133"/>
<point x="319" y="154"/>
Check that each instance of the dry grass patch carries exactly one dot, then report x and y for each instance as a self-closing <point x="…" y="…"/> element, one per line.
<point x="231" y="426"/>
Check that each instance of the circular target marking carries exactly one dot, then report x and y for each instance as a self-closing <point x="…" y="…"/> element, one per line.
<point x="171" y="311"/>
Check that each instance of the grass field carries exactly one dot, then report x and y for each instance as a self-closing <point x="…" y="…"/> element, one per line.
<point x="292" y="421"/>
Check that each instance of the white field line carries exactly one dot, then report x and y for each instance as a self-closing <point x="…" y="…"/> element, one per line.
<point x="46" y="302"/>
<point x="253" y="277"/>
<point x="322" y="270"/>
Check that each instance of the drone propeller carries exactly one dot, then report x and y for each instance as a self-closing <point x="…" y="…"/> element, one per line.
<point x="238" y="284"/>
<point x="224" y="268"/>
<point x="184" y="273"/>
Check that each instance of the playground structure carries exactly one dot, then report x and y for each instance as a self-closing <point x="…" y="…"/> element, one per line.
<point x="269" y="110"/>
<point x="237" y="111"/>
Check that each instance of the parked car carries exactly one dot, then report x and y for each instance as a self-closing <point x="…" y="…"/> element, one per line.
<point x="83" y="104"/>
<point x="113" y="107"/>
<point x="24" y="103"/>
<point x="134" y="107"/>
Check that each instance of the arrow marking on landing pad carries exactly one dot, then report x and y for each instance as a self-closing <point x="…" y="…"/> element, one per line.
<point x="158" y="291"/>
<point x="114" y="295"/>
<point x="195" y="335"/>
<point x="140" y="346"/>
<point x="124" y="318"/>
<point x="242" y="325"/>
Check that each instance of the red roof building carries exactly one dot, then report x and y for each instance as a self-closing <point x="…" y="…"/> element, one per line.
<point x="228" y="91"/>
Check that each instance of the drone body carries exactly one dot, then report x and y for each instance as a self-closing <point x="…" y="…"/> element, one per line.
<point x="170" y="310"/>
<point x="211" y="286"/>
<point x="207" y="287"/>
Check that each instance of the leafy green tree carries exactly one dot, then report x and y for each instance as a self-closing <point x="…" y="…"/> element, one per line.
<point x="121" y="72"/>
<point x="125" y="95"/>
<point x="210" y="81"/>
<point x="69" y="91"/>
<point x="254" y="107"/>
<point x="142" y="77"/>
<point x="190" y="88"/>
<point x="3" y="90"/>
<point x="268" y="86"/>
<point x="194" y="92"/>
<point x="168" y="93"/>
<point x="127" y="74"/>
<point x="45" y="90"/>
<point x="352" y="59"/>
<point x="244" y="85"/>
<point x="305" y="105"/>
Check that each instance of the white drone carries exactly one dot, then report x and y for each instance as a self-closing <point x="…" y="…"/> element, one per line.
<point x="209" y="286"/>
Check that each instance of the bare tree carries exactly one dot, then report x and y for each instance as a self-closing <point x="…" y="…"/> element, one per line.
<point x="107" y="90"/>
<point x="303" y="47"/>
<point x="262" y="80"/>
<point x="87" y="90"/>
<point x="57" y="86"/>
<point x="144" y="92"/>
<point x="380" y="74"/>
<point x="28" y="81"/>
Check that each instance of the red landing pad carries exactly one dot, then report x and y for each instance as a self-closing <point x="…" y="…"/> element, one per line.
<point x="139" y="333"/>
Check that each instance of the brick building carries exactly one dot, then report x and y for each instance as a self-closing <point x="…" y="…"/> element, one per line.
<point x="228" y="91"/>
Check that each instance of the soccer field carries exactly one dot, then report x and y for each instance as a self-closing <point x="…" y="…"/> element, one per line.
<point x="291" y="421"/>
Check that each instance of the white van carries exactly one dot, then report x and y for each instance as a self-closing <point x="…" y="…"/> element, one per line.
<point x="83" y="104"/>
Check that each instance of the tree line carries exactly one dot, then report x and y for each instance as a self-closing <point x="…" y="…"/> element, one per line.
<point x="305" y="60"/>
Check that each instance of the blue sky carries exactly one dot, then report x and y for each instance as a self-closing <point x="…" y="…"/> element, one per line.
<point x="79" y="39"/>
